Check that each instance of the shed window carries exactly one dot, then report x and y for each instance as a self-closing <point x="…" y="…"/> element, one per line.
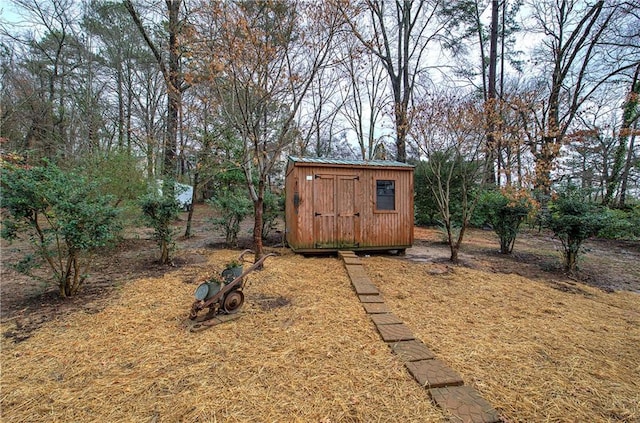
<point x="385" y="195"/>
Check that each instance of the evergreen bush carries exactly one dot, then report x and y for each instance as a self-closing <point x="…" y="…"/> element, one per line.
<point x="573" y="219"/>
<point x="273" y="208"/>
<point x="621" y="224"/>
<point x="505" y="209"/>
<point x="233" y="206"/>
<point x="64" y="215"/>
<point x="158" y="212"/>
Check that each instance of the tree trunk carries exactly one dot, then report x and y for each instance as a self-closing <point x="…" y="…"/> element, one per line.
<point x="627" y="168"/>
<point x="402" y="127"/>
<point x="173" y="92"/>
<point x="453" y="258"/>
<point x="544" y="162"/>
<point x="119" y="90"/>
<point x="519" y="166"/>
<point x="164" y="255"/>
<point x="571" y="260"/>
<point x="629" y="115"/>
<point x="454" y="246"/>
<point x="257" y="225"/>
<point x="196" y="181"/>
<point x="490" y="176"/>
<point x="129" y="110"/>
<point x="173" y="81"/>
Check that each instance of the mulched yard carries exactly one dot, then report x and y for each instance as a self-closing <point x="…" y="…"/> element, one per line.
<point x="537" y="345"/>
<point x="303" y="351"/>
<point x="535" y="352"/>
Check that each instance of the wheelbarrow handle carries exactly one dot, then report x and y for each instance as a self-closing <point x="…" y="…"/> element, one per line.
<point x="241" y="256"/>
<point x="262" y="259"/>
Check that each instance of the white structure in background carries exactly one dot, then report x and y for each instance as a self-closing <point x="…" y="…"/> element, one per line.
<point x="184" y="194"/>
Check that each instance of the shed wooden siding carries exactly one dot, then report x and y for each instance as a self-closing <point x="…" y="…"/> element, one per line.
<point x="336" y="207"/>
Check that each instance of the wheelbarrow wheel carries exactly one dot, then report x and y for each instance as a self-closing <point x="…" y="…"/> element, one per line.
<point x="233" y="301"/>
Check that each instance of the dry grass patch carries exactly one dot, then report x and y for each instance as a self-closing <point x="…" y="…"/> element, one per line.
<point x="303" y="351"/>
<point x="536" y="353"/>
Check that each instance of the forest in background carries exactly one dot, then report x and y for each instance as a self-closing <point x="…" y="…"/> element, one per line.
<point x="532" y="99"/>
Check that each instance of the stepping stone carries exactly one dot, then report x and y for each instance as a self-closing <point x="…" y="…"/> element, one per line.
<point x="347" y="254"/>
<point x="385" y="319"/>
<point x="356" y="271"/>
<point x="376" y="308"/>
<point x="465" y="404"/>
<point x="365" y="288"/>
<point x="394" y="333"/>
<point x="351" y="261"/>
<point x="433" y="373"/>
<point x="371" y="298"/>
<point x="360" y="280"/>
<point x="412" y="350"/>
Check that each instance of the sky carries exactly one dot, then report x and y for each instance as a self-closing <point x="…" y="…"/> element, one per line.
<point x="8" y="12"/>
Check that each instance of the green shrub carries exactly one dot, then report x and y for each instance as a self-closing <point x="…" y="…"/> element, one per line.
<point x="634" y="217"/>
<point x="118" y="173"/>
<point x="233" y="206"/>
<point x="158" y="213"/>
<point x="65" y="217"/>
<point x="426" y="207"/>
<point x="273" y="208"/>
<point x="454" y="175"/>
<point x="505" y="209"/>
<point x="621" y="224"/>
<point x="573" y="219"/>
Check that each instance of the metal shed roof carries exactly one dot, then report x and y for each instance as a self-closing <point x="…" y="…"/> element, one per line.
<point x="345" y="162"/>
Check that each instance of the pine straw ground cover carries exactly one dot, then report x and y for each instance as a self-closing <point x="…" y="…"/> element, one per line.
<point x="303" y="350"/>
<point x="536" y="353"/>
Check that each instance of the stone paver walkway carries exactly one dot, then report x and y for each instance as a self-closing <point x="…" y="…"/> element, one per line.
<point x="395" y="333"/>
<point x="445" y="385"/>
<point x="412" y="350"/>
<point x="465" y="404"/>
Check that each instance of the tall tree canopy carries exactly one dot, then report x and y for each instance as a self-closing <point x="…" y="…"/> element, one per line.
<point x="177" y="83"/>
<point x="262" y="58"/>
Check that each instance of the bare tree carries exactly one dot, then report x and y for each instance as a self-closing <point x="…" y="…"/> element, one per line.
<point x="630" y="115"/>
<point x="51" y="58"/>
<point x="513" y="159"/>
<point x="170" y="66"/>
<point x="364" y="97"/>
<point x="481" y="41"/>
<point x="399" y="34"/>
<point x="121" y="50"/>
<point x="268" y="55"/>
<point x="316" y="122"/>
<point x="449" y="132"/>
<point x="576" y="52"/>
<point x="148" y="110"/>
<point x="632" y="155"/>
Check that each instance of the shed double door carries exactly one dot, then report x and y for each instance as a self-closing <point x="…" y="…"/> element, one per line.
<point x="336" y="211"/>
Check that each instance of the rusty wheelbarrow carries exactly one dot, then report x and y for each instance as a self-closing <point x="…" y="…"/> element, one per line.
<point x="222" y="296"/>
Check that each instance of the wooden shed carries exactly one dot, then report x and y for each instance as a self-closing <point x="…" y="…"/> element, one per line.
<point x="348" y="205"/>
